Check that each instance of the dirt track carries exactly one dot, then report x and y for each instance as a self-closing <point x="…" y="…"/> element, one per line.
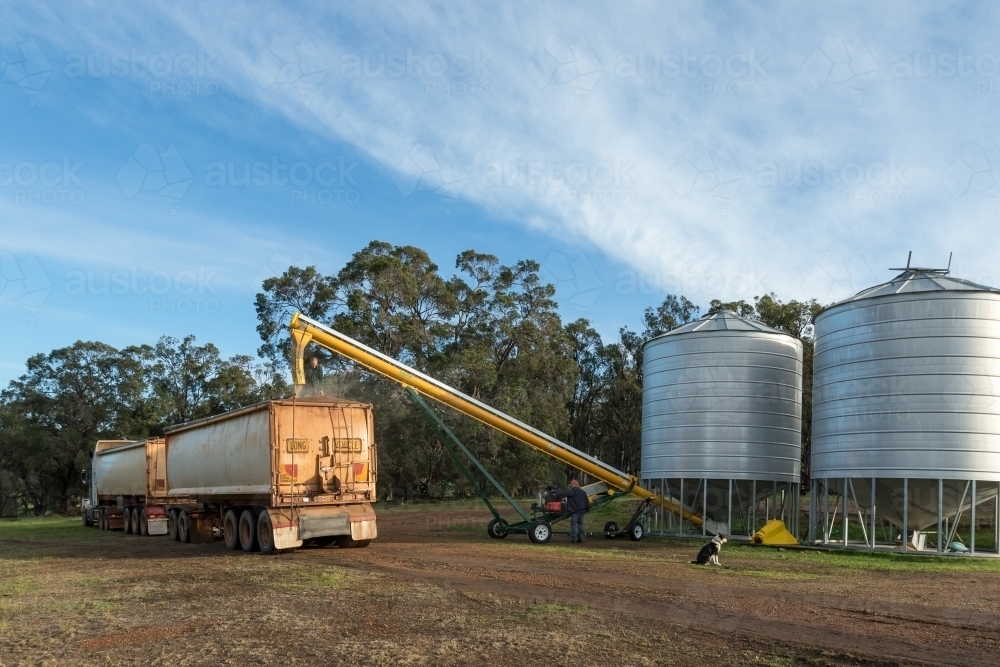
<point x="899" y="617"/>
<point x="433" y="589"/>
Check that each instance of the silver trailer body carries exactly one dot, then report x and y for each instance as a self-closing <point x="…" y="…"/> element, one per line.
<point x="121" y="470"/>
<point x="223" y="457"/>
<point x="126" y="475"/>
<point x="118" y="468"/>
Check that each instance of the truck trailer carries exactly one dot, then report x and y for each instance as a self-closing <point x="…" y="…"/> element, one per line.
<point x="272" y="476"/>
<point x="123" y="478"/>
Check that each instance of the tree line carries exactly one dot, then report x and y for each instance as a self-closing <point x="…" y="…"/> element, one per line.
<point x="68" y="399"/>
<point x="491" y="330"/>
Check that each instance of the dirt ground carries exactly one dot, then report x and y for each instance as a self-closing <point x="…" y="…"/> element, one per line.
<point x="433" y="589"/>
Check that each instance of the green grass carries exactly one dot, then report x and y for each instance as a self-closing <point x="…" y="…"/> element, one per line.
<point x="13" y="587"/>
<point x="546" y="610"/>
<point x="38" y="527"/>
<point x="863" y="560"/>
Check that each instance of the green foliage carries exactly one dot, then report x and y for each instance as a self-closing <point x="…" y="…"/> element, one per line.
<point x="68" y="399"/>
<point x="491" y="331"/>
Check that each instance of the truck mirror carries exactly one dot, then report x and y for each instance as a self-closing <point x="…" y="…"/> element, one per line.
<point x="85" y="477"/>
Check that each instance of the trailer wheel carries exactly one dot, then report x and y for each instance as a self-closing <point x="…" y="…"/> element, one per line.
<point x="183" y="527"/>
<point x="248" y="531"/>
<point x="497" y="529"/>
<point x="103" y="518"/>
<point x="324" y="541"/>
<point x="265" y="534"/>
<point x="347" y="542"/>
<point x="128" y="521"/>
<point x="135" y="521"/>
<point x="172" y="532"/>
<point x="539" y="532"/>
<point x="610" y="528"/>
<point x="636" y="533"/>
<point x="231" y="530"/>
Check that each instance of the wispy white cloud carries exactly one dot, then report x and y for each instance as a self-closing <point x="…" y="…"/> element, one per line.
<point x="735" y="149"/>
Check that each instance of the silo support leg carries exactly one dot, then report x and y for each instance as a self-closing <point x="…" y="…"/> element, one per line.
<point x="958" y="517"/>
<point x="680" y="501"/>
<point x="996" y="520"/>
<point x="812" y="510"/>
<point x="857" y="507"/>
<point x="704" y="506"/>
<point x="940" y="517"/>
<point x="729" y="519"/>
<point x="845" y="515"/>
<point x="873" y="514"/>
<point x="826" y="510"/>
<point x="972" y="521"/>
<point x="906" y="511"/>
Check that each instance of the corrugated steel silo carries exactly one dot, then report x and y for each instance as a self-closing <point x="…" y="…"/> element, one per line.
<point x="721" y="401"/>
<point x="905" y="384"/>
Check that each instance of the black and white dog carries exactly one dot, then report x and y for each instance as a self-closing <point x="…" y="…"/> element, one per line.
<point x="709" y="554"/>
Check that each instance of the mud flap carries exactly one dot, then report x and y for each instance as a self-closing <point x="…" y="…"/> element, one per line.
<point x="157" y="526"/>
<point x="333" y="521"/>
<point x="287" y="537"/>
<point x="363" y="530"/>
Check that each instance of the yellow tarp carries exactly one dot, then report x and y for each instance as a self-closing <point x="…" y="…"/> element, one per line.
<point x="774" y="532"/>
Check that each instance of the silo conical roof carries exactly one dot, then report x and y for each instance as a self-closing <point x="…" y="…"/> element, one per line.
<point x="720" y="320"/>
<point x="915" y="280"/>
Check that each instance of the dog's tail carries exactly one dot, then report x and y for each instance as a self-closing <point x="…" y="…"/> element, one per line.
<point x="692" y="562"/>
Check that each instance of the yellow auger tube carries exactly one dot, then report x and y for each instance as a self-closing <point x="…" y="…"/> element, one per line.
<point x="305" y="330"/>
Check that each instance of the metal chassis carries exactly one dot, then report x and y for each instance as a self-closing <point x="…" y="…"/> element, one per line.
<point x="453" y="445"/>
<point x="645" y="508"/>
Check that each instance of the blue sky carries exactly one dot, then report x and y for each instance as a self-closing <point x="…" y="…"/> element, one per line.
<point x="704" y="149"/>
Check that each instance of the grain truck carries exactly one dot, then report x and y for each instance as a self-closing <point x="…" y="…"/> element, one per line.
<point x="272" y="476"/>
<point x="124" y="477"/>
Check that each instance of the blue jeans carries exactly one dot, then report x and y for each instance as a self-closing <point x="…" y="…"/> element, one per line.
<point x="576" y="526"/>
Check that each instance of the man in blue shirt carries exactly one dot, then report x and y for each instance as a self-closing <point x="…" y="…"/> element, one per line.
<point x="577" y="504"/>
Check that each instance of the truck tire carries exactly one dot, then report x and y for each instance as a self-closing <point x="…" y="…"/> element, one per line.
<point x="183" y="527"/>
<point x="143" y="524"/>
<point x="231" y="530"/>
<point x="265" y="534"/>
<point x="347" y="542"/>
<point x="248" y="531"/>
<point x="127" y="529"/>
<point x="172" y="532"/>
<point x="135" y="521"/>
<point x="102" y="518"/>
